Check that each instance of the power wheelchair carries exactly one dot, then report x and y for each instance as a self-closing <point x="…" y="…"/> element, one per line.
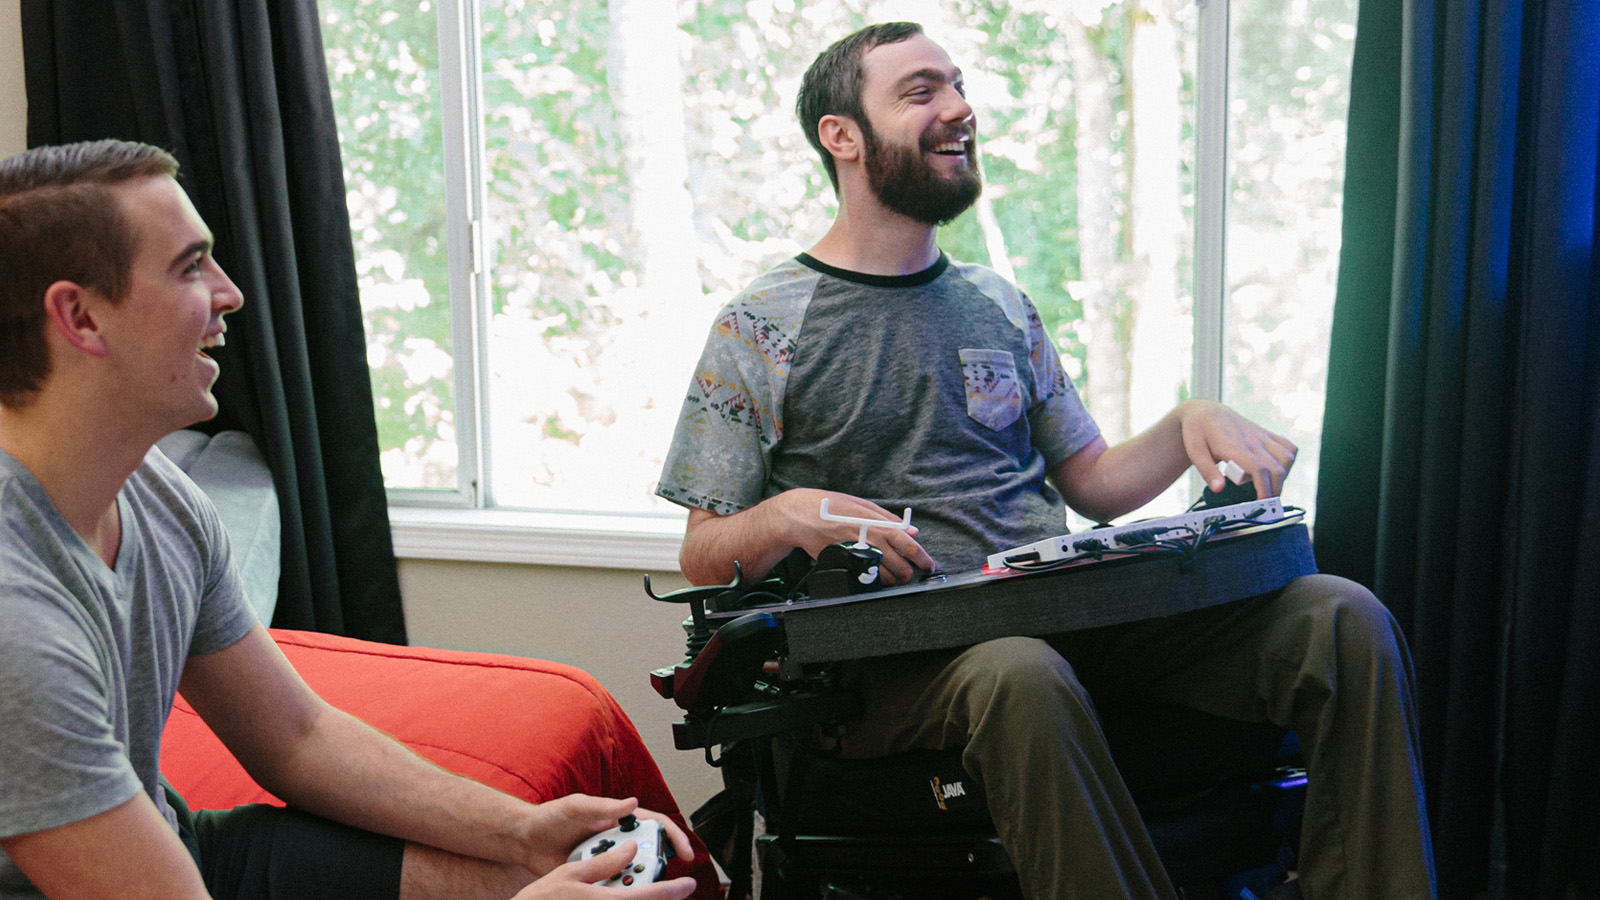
<point x="796" y="822"/>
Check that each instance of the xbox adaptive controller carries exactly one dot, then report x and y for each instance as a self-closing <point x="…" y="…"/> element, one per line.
<point x="649" y="860"/>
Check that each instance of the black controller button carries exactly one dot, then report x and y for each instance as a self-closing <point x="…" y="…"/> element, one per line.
<point x="628" y="822"/>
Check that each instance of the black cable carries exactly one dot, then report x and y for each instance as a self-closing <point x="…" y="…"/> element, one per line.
<point x="1152" y="544"/>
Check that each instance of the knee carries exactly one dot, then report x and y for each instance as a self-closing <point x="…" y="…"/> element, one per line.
<point x="1020" y="671"/>
<point x="1349" y="619"/>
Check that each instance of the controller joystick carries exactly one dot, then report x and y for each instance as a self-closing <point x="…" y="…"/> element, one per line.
<point x="1234" y="490"/>
<point x="849" y="568"/>
<point x="845" y="569"/>
<point x="649" y="860"/>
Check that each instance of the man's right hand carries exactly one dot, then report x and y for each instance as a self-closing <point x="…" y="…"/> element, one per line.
<point x="762" y="535"/>
<point x="903" y="557"/>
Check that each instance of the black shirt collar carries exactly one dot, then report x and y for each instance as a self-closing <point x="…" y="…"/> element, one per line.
<point x="915" y="279"/>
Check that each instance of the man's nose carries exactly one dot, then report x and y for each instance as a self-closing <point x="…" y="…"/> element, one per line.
<point x="225" y="295"/>
<point x="956" y="109"/>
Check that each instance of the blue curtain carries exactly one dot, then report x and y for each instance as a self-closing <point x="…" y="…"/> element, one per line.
<point x="239" y="93"/>
<point x="1461" y="451"/>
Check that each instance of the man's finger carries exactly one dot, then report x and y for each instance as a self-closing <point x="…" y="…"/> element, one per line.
<point x="602" y="866"/>
<point x="675" y="835"/>
<point x="676" y="889"/>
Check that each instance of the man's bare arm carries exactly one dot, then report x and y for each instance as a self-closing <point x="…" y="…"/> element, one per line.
<point x="127" y="853"/>
<point x="760" y="537"/>
<point x="1103" y="483"/>
<point x="322" y="760"/>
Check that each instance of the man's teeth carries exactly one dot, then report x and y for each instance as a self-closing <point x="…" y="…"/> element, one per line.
<point x="212" y="342"/>
<point x="951" y="147"/>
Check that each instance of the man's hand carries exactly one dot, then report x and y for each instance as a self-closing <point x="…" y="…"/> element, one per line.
<point x="555" y="827"/>
<point x="1103" y="483"/>
<point x="1212" y="433"/>
<point x="759" y="537"/>
<point x="801" y="509"/>
<point x="576" y="880"/>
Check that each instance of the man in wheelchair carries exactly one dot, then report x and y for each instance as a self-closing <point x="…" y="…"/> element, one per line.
<point x="875" y="372"/>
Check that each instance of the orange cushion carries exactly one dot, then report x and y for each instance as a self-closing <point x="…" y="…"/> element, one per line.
<point x="532" y="728"/>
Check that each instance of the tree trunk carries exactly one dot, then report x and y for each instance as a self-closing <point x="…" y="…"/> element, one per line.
<point x="647" y="91"/>
<point x="1101" y="288"/>
<point x="1160" y="340"/>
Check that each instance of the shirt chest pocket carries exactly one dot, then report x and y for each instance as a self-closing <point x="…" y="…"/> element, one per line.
<point x="994" y="398"/>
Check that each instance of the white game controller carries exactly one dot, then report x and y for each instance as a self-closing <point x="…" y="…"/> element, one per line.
<point x="648" y="861"/>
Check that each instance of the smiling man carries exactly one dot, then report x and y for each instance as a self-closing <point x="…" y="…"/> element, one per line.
<point x="875" y="372"/>
<point x="116" y="590"/>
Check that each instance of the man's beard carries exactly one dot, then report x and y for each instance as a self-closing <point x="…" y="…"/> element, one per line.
<point x="906" y="183"/>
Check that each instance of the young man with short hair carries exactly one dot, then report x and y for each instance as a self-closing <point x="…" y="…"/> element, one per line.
<point x="118" y="591"/>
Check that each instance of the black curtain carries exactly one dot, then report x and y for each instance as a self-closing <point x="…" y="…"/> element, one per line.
<point x="239" y="93"/>
<point x="1461" y="449"/>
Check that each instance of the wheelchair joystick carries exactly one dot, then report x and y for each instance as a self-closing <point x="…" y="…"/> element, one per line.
<point x="850" y="568"/>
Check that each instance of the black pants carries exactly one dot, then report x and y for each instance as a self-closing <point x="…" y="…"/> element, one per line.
<point x="262" y="852"/>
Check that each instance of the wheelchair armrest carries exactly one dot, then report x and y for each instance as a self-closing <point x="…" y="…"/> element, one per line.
<point x="725" y="671"/>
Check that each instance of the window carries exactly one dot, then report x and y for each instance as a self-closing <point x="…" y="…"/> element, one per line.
<point x="551" y="198"/>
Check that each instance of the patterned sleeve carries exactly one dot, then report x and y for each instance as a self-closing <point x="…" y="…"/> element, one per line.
<point x="1060" y="424"/>
<point x="732" y="416"/>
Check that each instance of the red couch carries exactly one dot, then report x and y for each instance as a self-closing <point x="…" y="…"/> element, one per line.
<point x="529" y="727"/>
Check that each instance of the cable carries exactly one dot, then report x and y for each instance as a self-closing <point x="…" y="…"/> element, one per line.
<point x="1149" y="542"/>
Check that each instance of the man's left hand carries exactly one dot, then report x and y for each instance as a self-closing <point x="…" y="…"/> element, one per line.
<point x="1213" y="432"/>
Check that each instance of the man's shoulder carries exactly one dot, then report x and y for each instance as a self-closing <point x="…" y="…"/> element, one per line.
<point x="159" y="476"/>
<point x="782" y="288"/>
<point x="1000" y="291"/>
<point x="766" y="316"/>
<point x="991" y="283"/>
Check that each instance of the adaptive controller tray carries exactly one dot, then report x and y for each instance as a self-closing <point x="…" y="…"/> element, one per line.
<point x="971" y="607"/>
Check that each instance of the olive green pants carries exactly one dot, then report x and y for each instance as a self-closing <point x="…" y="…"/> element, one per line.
<point x="1321" y="656"/>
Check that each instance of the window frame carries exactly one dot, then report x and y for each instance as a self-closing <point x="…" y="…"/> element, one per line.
<point x="466" y="525"/>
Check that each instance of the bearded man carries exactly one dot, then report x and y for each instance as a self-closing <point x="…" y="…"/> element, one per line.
<point x="875" y="372"/>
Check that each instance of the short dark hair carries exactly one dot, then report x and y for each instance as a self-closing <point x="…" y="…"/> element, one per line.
<point x="832" y="85"/>
<point x="61" y="221"/>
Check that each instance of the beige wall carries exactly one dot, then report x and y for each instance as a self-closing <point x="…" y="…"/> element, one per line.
<point x="13" y="102"/>
<point x="597" y="619"/>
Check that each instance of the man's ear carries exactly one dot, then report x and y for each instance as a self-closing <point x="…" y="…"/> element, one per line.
<point x="840" y="136"/>
<point x="73" y="311"/>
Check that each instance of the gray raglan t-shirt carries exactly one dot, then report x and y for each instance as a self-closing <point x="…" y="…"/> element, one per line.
<point x="90" y="657"/>
<point x="940" y="391"/>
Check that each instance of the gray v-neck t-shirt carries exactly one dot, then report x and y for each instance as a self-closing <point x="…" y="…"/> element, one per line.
<point x="90" y="656"/>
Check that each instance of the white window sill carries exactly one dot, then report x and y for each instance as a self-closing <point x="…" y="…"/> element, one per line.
<point x="644" y="543"/>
